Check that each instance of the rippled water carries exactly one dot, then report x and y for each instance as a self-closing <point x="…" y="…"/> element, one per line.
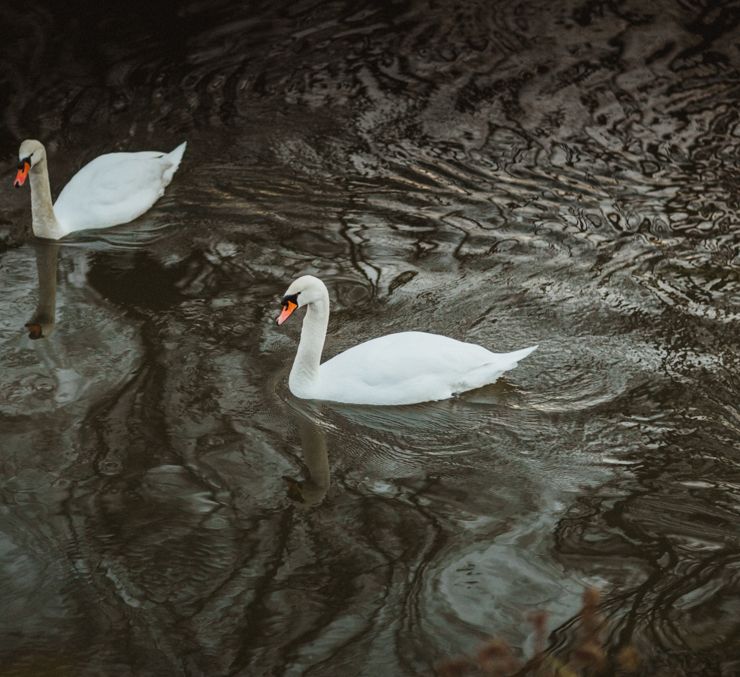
<point x="510" y="173"/>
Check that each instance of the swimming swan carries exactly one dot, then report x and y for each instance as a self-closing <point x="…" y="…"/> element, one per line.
<point x="111" y="189"/>
<point x="403" y="368"/>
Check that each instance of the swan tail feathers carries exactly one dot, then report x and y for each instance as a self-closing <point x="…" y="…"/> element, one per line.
<point x="521" y="354"/>
<point x="175" y="157"/>
<point x="488" y="373"/>
<point x="176" y="154"/>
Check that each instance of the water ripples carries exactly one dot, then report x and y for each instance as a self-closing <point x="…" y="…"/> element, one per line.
<point x="554" y="174"/>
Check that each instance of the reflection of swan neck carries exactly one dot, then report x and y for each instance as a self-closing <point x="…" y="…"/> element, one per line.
<point x="315" y="454"/>
<point x="44" y="221"/>
<point x="316" y="458"/>
<point x="43" y="320"/>
<point x="304" y="376"/>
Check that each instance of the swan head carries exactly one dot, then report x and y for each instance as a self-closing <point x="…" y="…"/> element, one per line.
<point x="306" y="289"/>
<point x="30" y="154"/>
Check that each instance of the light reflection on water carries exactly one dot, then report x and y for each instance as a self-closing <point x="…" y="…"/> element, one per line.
<point x="508" y="177"/>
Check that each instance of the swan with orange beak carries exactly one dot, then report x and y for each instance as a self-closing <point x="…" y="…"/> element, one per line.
<point x="112" y="189"/>
<point x="403" y="368"/>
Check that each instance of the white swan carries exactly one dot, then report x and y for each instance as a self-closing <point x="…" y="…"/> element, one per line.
<point x="404" y="368"/>
<point x="111" y="189"/>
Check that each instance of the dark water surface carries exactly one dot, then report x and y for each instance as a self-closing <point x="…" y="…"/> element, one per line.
<point x="510" y="173"/>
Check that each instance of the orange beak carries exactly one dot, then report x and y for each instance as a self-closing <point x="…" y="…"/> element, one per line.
<point x="288" y="309"/>
<point x="20" y="177"/>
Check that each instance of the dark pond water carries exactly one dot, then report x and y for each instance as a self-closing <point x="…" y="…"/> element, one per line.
<point x="510" y="173"/>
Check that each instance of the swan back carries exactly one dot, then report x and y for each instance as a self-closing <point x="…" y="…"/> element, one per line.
<point x="410" y="367"/>
<point x="115" y="188"/>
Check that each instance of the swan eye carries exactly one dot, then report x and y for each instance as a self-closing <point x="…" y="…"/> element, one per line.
<point x="22" y="164"/>
<point x="289" y="298"/>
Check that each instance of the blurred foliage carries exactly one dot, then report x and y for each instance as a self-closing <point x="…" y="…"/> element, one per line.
<point x="587" y="656"/>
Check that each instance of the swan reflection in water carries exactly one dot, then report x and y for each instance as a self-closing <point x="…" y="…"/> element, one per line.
<point x="42" y="323"/>
<point x="310" y="493"/>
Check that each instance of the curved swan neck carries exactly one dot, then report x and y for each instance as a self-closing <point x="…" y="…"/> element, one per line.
<point x="304" y="375"/>
<point x="44" y="221"/>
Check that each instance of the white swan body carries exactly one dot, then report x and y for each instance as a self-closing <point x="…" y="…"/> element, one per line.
<point x="404" y="368"/>
<point x="112" y="189"/>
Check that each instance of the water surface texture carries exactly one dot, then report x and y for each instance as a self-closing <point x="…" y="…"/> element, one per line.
<point x="508" y="173"/>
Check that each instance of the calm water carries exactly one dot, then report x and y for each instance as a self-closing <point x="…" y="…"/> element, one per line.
<point x="510" y="173"/>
